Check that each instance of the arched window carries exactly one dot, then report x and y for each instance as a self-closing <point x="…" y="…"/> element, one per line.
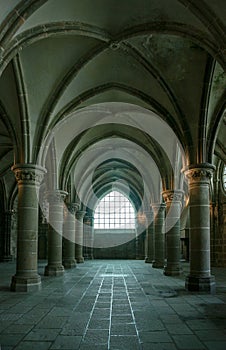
<point x="224" y="178"/>
<point x="114" y="211"/>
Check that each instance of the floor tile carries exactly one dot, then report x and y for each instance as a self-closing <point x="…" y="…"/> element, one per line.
<point x="30" y="345"/>
<point x="66" y="342"/>
<point x="185" y="342"/>
<point x="109" y="305"/>
<point x="124" y="343"/>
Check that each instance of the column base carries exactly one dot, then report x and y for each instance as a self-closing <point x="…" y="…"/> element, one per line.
<point x="88" y="257"/>
<point x="54" y="270"/>
<point x="69" y="264"/>
<point x="80" y="259"/>
<point x="148" y="260"/>
<point x="25" y="284"/>
<point x="158" y="264"/>
<point x="172" y="271"/>
<point x="200" y="284"/>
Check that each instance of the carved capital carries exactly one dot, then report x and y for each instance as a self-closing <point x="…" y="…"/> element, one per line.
<point x="73" y="207"/>
<point x="88" y="220"/>
<point x="29" y="173"/>
<point x="80" y="214"/>
<point x="56" y="196"/>
<point x="173" y="195"/>
<point x="200" y="173"/>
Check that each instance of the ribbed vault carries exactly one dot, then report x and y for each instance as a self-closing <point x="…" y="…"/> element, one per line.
<point x="58" y="59"/>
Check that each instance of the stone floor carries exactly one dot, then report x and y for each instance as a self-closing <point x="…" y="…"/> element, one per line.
<point x="112" y="304"/>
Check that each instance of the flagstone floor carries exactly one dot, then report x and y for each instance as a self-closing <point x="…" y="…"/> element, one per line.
<point x="112" y="304"/>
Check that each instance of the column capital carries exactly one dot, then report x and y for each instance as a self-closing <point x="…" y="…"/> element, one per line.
<point x="88" y="219"/>
<point x="28" y="173"/>
<point x="73" y="207"/>
<point x="173" y="196"/>
<point x="56" y="196"/>
<point x="80" y="214"/>
<point x="199" y="173"/>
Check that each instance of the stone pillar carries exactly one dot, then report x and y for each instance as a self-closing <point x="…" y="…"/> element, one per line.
<point x="141" y="223"/>
<point x="150" y="238"/>
<point x="7" y="236"/>
<point x="173" y="200"/>
<point x="88" y="236"/>
<point x="79" y="236"/>
<point x="42" y="236"/>
<point x="159" y="229"/>
<point x="43" y="229"/>
<point x="69" y="237"/>
<point x="56" y="208"/>
<point x="29" y="178"/>
<point x="199" y="278"/>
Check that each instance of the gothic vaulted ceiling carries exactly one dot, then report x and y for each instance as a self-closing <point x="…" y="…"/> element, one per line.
<point x="165" y="58"/>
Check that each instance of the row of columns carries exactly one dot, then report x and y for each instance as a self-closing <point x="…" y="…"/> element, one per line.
<point x="67" y="251"/>
<point x="164" y="233"/>
<point x="29" y="178"/>
<point x="62" y="252"/>
<point x="164" y="249"/>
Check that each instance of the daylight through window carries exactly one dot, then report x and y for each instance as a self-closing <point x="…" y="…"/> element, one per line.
<point x="224" y="178"/>
<point x="114" y="211"/>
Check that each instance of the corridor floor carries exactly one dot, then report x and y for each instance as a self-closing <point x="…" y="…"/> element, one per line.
<point x="112" y="304"/>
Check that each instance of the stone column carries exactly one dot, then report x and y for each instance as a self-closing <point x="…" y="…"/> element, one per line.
<point x="29" y="178"/>
<point x="159" y="229"/>
<point x="56" y="208"/>
<point x="69" y="237"/>
<point x="42" y="238"/>
<point x="199" y="278"/>
<point x="173" y="200"/>
<point x="79" y="236"/>
<point x="43" y="229"/>
<point x="7" y="236"/>
<point x="88" y="236"/>
<point x="150" y="238"/>
<point x="140" y="235"/>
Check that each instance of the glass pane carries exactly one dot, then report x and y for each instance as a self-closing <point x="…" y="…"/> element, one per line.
<point x="224" y="178"/>
<point x="114" y="211"/>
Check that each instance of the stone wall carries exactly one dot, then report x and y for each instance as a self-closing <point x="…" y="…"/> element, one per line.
<point x="112" y="238"/>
